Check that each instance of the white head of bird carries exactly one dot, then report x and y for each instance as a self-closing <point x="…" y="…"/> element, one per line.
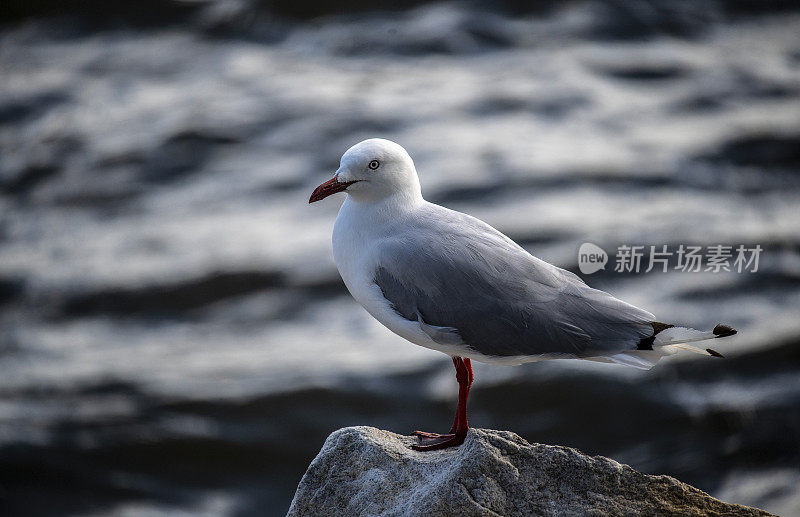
<point x="372" y="170"/>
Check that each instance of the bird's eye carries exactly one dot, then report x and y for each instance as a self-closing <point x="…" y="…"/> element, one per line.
<point x="374" y="164"/>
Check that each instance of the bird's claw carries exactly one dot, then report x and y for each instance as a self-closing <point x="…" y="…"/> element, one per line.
<point x="435" y="441"/>
<point x="425" y="434"/>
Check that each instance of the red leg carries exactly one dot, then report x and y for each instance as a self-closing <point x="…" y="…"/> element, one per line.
<point x="433" y="441"/>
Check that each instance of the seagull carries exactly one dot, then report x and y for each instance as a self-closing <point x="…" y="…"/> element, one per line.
<point x="450" y="282"/>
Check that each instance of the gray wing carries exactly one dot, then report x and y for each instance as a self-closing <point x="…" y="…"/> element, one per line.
<point x="456" y="272"/>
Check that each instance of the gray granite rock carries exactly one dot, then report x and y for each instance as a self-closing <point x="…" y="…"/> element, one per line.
<point x="366" y="471"/>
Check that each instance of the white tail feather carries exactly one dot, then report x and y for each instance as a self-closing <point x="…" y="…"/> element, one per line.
<point x="678" y="338"/>
<point x="681" y="335"/>
<point x="688" y="348"/>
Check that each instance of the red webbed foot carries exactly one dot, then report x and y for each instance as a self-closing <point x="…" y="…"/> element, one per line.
<point x="438" y="441"/>
<point x="425" y="434"/>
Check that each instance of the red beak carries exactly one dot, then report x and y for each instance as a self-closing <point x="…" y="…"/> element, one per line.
<point x="332" y="186"/>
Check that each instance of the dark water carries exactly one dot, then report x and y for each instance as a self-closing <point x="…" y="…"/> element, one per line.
<point x="174" y="337"/>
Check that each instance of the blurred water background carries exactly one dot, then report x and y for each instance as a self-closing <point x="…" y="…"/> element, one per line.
<point x="174" y="336"/>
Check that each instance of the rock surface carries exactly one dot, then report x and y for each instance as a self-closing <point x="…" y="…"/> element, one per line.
<point x="367" y="471"/>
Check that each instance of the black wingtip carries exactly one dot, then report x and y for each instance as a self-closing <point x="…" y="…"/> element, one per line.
<point x="723" y="331"/>
<point x="715" y="353"/>
<point x="647" y="342"/>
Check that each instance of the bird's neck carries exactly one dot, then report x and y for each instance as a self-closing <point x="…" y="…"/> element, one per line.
<point x="391" y="206"/>
<point x="387" y="211"/>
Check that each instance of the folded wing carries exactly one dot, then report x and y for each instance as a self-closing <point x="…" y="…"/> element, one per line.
<point x="459" y="275"/>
